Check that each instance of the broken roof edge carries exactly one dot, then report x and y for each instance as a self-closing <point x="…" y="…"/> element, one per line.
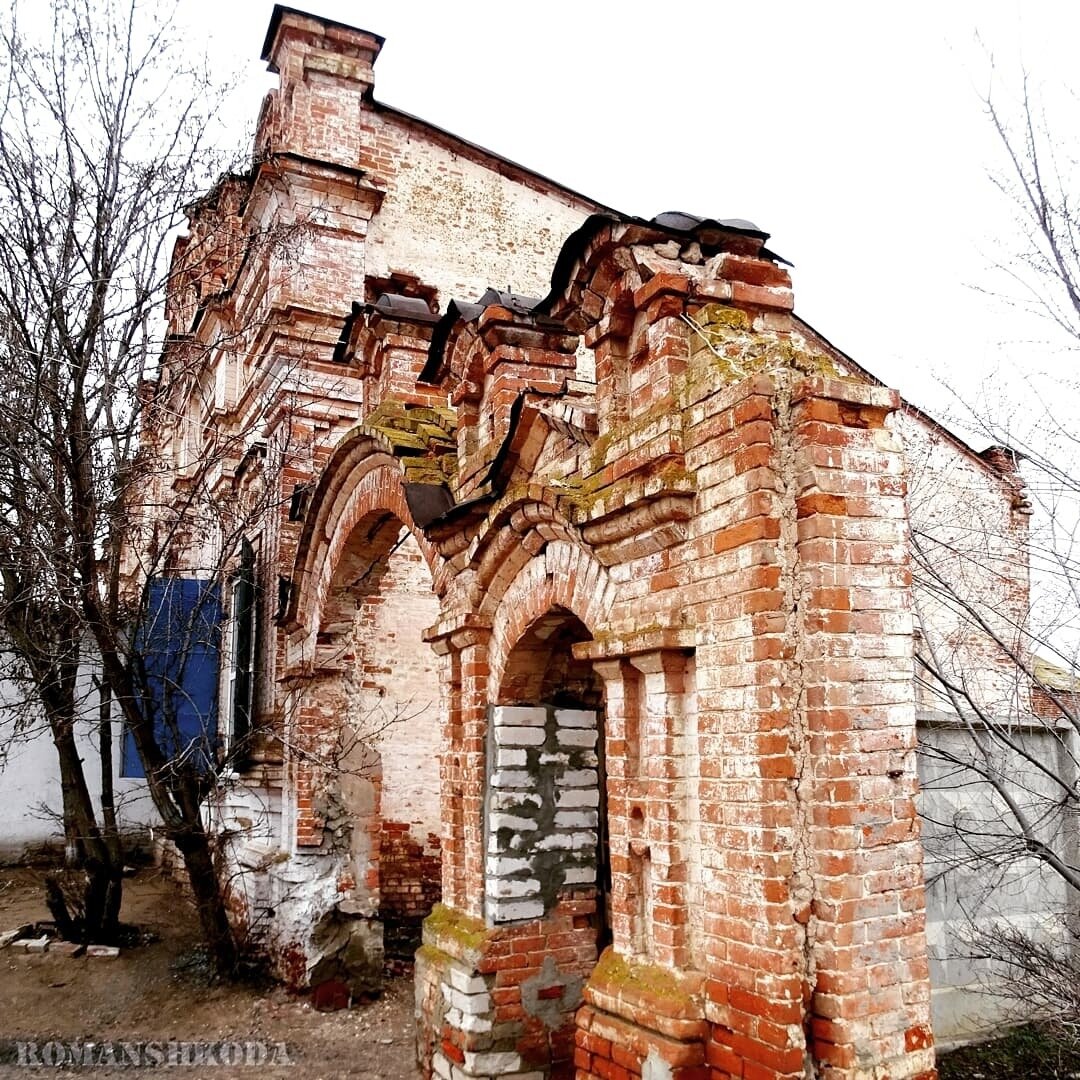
<point x="570" y="252"/>
<point x="1050" y="676"/>
<point x="675" y="224"/>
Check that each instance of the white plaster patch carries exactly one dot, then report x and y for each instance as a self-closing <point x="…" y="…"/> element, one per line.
<point x="654" y="1067"/>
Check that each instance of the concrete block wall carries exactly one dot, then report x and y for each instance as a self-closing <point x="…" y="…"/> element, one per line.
<point x="543" y="799"/>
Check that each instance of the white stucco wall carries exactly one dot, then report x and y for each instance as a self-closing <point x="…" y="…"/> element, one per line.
<point x="30" y="797"/>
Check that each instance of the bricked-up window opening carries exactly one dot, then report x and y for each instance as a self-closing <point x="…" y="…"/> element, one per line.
<point x="547" y="820"/>
<point x="381" y="602"/>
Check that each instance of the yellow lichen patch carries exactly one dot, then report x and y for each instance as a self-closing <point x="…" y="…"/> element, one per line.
<point x="437" y="957"/>
<point x="614" y="974"/>
<point x="724" y="349"/>
<point x="445" y="928"/>
<point x="423" y="438"/>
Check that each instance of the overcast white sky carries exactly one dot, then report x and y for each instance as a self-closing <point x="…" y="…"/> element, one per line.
<point x="852" y="132"/>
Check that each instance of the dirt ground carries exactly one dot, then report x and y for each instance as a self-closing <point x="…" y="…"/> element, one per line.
<point x="158" y="992"/>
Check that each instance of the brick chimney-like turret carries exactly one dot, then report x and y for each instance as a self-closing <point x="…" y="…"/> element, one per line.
<point x="326" y="71"/>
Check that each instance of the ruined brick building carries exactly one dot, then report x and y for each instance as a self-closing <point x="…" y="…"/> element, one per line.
<point x="579" y="621"/>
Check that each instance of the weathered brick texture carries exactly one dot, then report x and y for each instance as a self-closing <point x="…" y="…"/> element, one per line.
<point x="629" y="660"/>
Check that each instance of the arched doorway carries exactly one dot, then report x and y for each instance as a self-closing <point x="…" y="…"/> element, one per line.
<point x="379" y="603"/>
<point x="546" y="828"/>
<point x="542" y="672"/>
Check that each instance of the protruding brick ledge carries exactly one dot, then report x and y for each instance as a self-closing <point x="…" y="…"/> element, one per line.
<point x="641" y="1019"/>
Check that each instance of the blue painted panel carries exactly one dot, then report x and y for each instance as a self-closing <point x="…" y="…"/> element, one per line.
<point x="180" y="644"/>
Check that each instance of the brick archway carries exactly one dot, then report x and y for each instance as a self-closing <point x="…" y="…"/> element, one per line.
<point x="361" y="479"/>
<point x="366" y="733"/>
<point x="564" y="575"/>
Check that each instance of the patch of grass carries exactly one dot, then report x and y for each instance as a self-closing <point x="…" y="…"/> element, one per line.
<point x="1030" y="1052"/>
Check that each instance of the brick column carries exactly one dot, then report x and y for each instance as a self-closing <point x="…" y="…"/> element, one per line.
<point x="663" y="767"/>
<point x="319" y="711"/>
<point x="622" y="726"/>
<point x="451" y="780"/>
<point x="644" y="1009"/>
<point x="462" y="771"/>
<point x="473" y="647"/>
<point x="866" y="923"/>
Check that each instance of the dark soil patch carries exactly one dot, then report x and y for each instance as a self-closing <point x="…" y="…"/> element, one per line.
<point x="1026" y="1052"/>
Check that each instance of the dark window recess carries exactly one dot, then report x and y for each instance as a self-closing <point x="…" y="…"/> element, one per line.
<point x="299" y="502"/>
<point x="179" y="645"/>
<point x="244" y="597"/>
<point x="284" y="597"/>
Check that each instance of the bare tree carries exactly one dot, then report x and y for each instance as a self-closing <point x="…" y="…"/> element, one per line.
<point x="997" y="577"/>
<point x="105" y="127"/>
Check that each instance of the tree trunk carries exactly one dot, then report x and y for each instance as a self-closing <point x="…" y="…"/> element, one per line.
<point x="217" y="931"/>
<point x="102" y="898"/>
<point x="102" y="857"/>
<point x="56" y="902"/>
<point x="177" y="797"/>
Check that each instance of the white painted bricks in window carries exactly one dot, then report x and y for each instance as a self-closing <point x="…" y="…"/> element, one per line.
<point x="572" y="797"/>
<point x="547" y="758"/>
<point x="513" y="910"/>
<point x="501" y="867"/>
<point x="513" y="800"/>
<point x="543" y="798"/>
<point x="520" y="716"/>
<point x="580" y="875"/>
<point x="575" y="718"/>
<point x="522" y="736"/>
<point x="513" y="778"/>
<point x="561" y="841"/>
<point x="498" y="821"/>
<point x="512" y="888"/>
<point x="577" y="778"/>
<point x="575" y="737"/>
